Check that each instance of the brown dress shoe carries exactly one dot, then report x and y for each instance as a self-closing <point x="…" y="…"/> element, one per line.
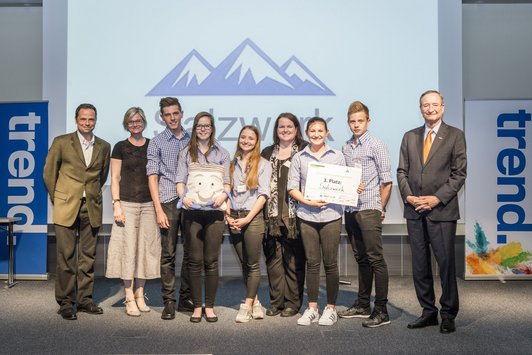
<point x="68" y="313"/>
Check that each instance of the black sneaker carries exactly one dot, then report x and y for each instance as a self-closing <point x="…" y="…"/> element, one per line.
<point x="376" y="319"/>
<point x="355" y="311"/>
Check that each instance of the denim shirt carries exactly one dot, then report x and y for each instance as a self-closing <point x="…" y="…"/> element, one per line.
<point x="245" y="200"/>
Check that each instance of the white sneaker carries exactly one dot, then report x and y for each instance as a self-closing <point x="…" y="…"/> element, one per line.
<point x="329" y="316"/>
<point x="257" y="311"/>
<point x="310" y="316"/>
<point x="244" y="314"/>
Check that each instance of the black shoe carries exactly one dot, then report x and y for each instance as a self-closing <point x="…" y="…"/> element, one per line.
<point x="447" y="326"/>
<point x="169" y="310"/>
<point x="90" y="308"/>
<point x="289" y="312"/>
<point x="195" y="319"/>
<point x="377" y="319"/>
<point x="68" y="313"/>
<point x="185" y="305"/>
<point x="273" y="311"/>
<point x="212" y="319"/>
<point x="355" y="311"/>
<point x="423" y="322"/>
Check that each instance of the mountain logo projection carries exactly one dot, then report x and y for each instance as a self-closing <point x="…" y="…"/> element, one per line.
<point x="247" y="70"/>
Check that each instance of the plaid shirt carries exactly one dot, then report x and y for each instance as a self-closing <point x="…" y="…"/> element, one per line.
<point x="372" y="153"/>
<point x="163" y="154"/>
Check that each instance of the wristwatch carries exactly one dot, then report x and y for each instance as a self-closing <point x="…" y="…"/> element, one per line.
<point x="115" y="200"/>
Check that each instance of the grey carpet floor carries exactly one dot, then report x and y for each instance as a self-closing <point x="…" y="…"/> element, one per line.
<point x="494" y="318"/>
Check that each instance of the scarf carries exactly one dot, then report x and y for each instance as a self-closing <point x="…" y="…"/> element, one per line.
<point x="273" y="203"/>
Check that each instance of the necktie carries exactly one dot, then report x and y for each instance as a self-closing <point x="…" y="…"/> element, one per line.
<point x="426" y="146"/>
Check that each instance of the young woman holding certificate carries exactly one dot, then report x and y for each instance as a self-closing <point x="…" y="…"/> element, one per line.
<point x="250" y="188"/>
<point x="319" y="223"/>
<point x="203" y="184"/>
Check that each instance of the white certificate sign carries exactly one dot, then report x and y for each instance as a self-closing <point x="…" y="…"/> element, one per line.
<point x="333" y="183"/>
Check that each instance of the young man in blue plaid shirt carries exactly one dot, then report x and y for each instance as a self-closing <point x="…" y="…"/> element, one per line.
<point x="363" y="223"/>
<point x="163" y="153"/>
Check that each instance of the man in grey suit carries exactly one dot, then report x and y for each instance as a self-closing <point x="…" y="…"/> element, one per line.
<point x="432" y="169"/>
<point x="75" y="171"/>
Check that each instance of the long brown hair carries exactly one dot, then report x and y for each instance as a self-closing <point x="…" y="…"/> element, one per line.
<point x="193" y="144"/>
<point x="252" y="167"/>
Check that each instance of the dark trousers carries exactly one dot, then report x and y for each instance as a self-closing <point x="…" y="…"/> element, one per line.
<point x="248" y="243"/>
<point x="204" y="235"/>
<point x="424" y="234"/>
<point x="364" y="230"/>
<point x="321" y="241"/>
<point x="76" y="251"/>
<point x="168" y="253"/>
<point x="285" y="263"/>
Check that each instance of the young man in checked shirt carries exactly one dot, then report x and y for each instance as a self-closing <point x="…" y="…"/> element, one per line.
<point x="163" y="153"/>
<point x="363" y="223"/>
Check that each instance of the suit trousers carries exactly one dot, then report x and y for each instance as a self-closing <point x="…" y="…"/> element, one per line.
<point x="321" y="240"/>
<point x="168" y="254"/>
<point x="285" y="263"/>
<point x="364" y="230"/>
<point x="204" y="232"/>
<point x="441" y="237"/>
<point x="76" y="252"/>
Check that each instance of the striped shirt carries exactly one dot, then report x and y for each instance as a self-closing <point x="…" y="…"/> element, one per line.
<point x="372" y="153"/>
<point x="245" y="200"/>
<point x="297" y="178"/>
<point x="163" y="154"/>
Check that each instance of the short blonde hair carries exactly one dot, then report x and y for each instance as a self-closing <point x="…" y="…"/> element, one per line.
<point x="132" y="111"/>
<point x="357" y="106"/>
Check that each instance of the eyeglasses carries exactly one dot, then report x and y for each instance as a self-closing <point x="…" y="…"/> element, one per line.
<point x="135" y="122"/>
<point x="203" y="126"/>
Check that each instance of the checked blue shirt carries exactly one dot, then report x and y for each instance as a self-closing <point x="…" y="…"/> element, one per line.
<point x="163" y="155"/>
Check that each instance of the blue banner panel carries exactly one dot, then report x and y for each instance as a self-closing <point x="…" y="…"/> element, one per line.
<point x="498" y="213"/>
<point x="23" y="149"/>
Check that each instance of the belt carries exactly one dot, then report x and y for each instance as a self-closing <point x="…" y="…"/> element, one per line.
<point x="239" y="213"/>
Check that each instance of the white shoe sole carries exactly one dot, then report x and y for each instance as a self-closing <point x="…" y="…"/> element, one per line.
<point x="376" y="325"/>
<point x="357" y="316"/>
<point x="243" y="320"/>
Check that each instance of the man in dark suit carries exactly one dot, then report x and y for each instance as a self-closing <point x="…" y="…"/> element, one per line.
<point x="432" y="169"/>
<point x="75" y="171"/>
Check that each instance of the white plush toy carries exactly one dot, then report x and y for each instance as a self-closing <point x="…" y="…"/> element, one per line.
<point x="204" y="184"/>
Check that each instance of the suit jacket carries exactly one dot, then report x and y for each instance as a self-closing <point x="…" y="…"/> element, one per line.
<point x="443" y="174"/>
<point x="66" y="176"/>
